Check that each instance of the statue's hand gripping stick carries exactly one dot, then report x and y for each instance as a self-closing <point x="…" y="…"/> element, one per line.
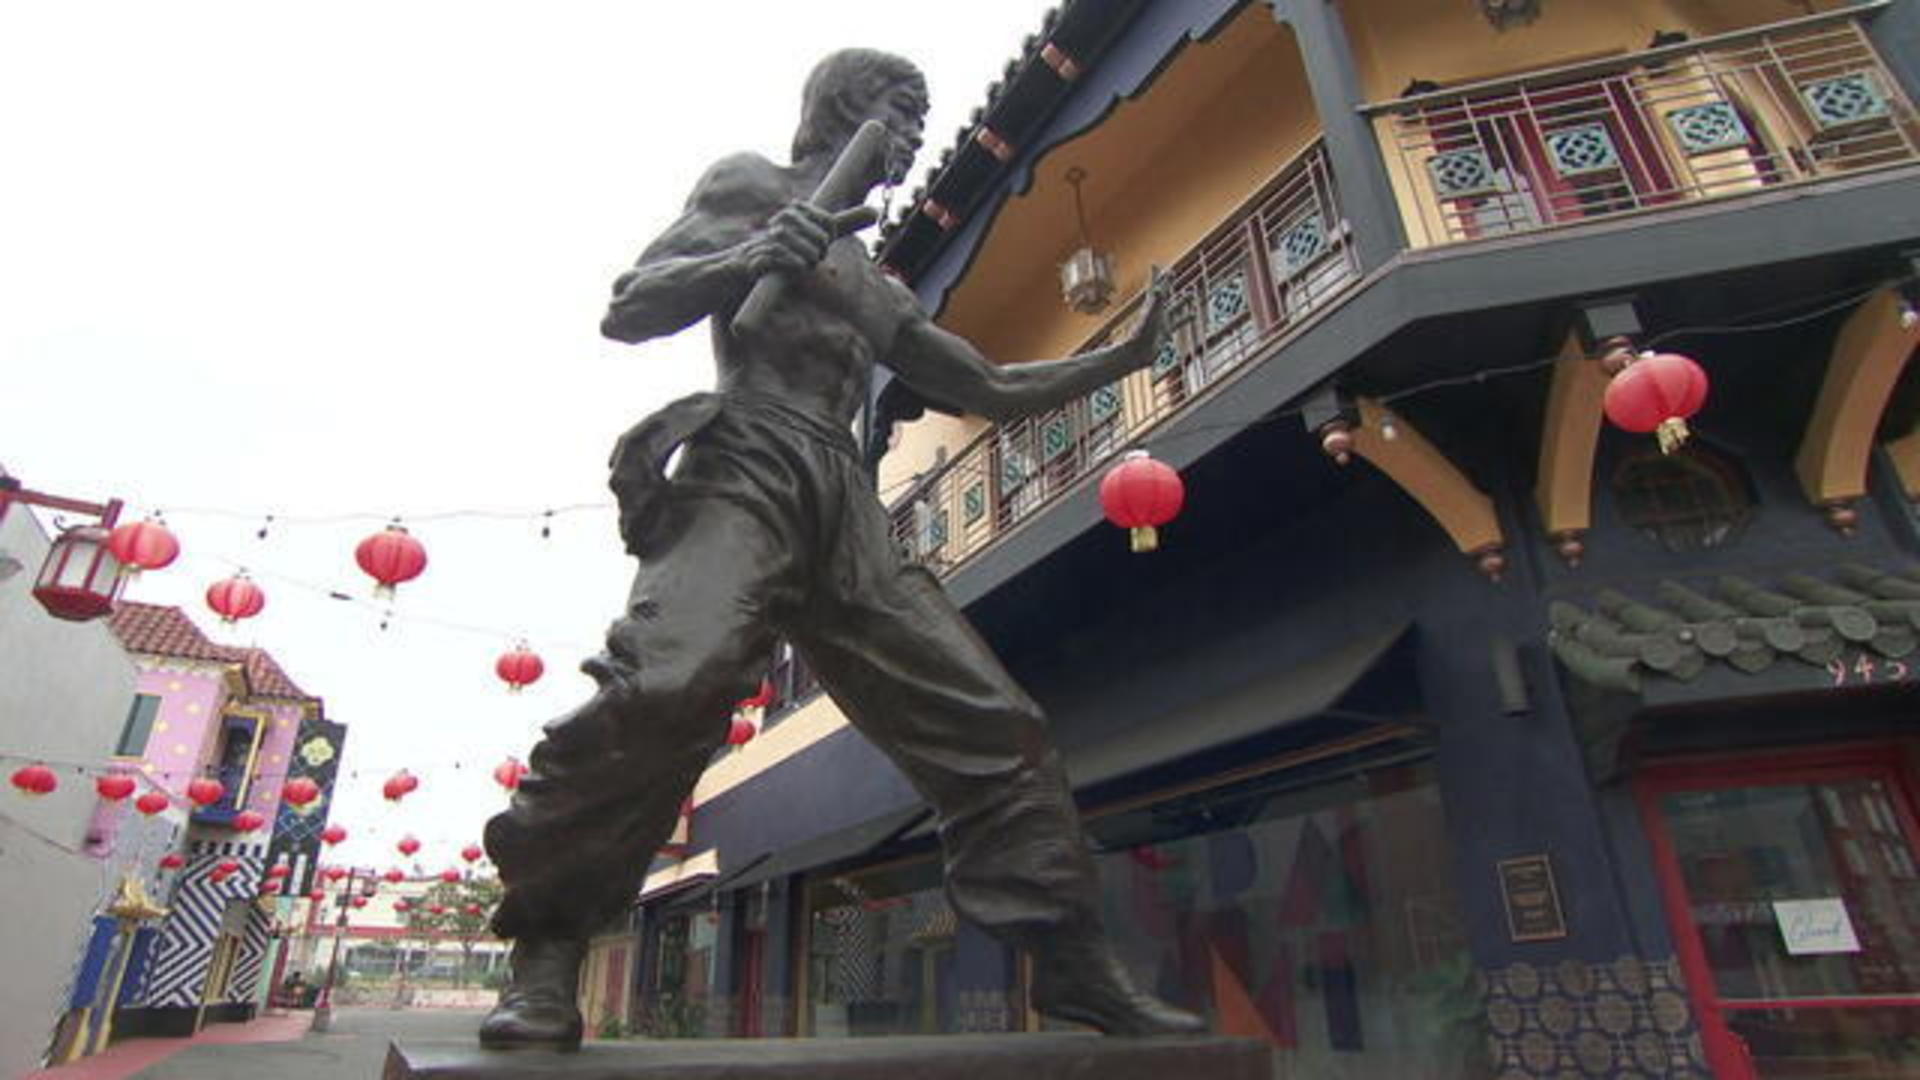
<point x="861" y="165"/>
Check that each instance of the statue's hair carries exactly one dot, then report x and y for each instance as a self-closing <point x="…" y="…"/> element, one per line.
<point x="839" y="92"/>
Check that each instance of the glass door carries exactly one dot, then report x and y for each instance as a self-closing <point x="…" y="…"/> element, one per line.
<point x="1792" y="891"/>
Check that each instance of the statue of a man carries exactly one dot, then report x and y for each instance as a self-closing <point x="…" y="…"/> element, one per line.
<point x="768" y="528"/>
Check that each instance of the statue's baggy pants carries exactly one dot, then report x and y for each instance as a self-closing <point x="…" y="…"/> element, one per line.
<point x="769" y="529"/>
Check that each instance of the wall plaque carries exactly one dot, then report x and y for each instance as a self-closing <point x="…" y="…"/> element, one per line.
<point x="1532" y="899"/>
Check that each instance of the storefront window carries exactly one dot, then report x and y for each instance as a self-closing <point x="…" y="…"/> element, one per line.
<point x="1317" y="916"/>
<point x="887" y="956"/>
<point x="680" y="987"/>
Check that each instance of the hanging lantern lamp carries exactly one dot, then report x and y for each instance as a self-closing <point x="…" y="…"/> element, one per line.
<point x="1657" y="393"/>
<point x="509" y="772"/>
<point x="333" y="834"/>
<point x="407" y="845"/>
<point x="472" y="853"/>
<point x="270" y="888"/>
<point x="35" y="780"/>
<point x="143" y="545"/>
<point x="399" y="786"/>
<point x="116" y="787"/>
<point x="1140" y="495"/>
<point x="300" y="791"/>
<point x="153" y="802"/>
<point x="80" y="578"/>
<point x="394" y="876"/>
<point x="519" y="668"/>
<point x="236" y="598"/>
<point x="476" y="910"/>
<point x="1086" y="278"/>
<point x="450" y="876"/>
<point x="359" y="901"/>
<point x="279" y="870"/>
<point x="334" y="873"/>
<point x="317" y="896"/>
<point x="247" y="821"/>
<point x="391" y="557"/>
<point x="172" y="860"/>
<point x="401" y="906"/>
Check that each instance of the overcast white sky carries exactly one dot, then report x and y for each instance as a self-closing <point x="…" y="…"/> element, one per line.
<point x="311" y="260"/>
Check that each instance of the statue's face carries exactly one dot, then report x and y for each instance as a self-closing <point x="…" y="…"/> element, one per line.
<point x="903" y="109"/>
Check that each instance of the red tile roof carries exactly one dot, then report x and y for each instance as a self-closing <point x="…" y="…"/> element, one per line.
<point x="159" y="630"/>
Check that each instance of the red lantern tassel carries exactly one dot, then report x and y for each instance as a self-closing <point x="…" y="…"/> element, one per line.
<point x="383" y="593"/>
<point x="1145" y="538"/>
<point x="1672" y="433"/>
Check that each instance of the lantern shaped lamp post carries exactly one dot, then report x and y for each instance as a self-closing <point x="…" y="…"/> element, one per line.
<point x="80" y="579"/>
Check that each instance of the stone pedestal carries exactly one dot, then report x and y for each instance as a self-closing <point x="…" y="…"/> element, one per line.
<point x="912" y="1057"/>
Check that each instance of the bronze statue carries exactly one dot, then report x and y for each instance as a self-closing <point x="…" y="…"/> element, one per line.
<point x="768" y="528"/>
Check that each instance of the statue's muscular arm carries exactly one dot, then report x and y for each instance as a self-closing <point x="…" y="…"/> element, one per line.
<point x="738" y="224"/>
<point x="948" y="369"/>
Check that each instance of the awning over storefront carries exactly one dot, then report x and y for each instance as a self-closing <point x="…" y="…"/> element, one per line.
<point x="681" y="879"/>
<point x="1317" y="689"/>
<point x="833" y="847"/>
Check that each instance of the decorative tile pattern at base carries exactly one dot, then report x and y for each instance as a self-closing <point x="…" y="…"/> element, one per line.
<point x="1845" y="100"/>
<point x="983" y="1010"/>
<point x="1625" y="1019"/>
<point x="1578" y="151"/>
<point x="1703" y="129"/>
<point x="1461" y="174"/>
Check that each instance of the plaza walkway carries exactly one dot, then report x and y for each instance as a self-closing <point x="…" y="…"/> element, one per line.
<point x="272" y="1046"/>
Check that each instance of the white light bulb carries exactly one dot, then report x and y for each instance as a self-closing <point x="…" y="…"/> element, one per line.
<point x="1387" y="429"/>
<point x="1909" y="318"/>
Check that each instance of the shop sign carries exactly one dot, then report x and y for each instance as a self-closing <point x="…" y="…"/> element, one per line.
<point x="1532" y="899"/>
<point x="1815" y="926"/>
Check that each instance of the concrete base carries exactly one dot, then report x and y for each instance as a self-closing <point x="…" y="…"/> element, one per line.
<point x="906" y="1057"/>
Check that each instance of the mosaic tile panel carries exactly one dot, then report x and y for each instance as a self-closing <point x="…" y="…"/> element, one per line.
<point x="1166" y="358"/>
<point x="1056" y="438"/>
<point x="1705" y="128"/>
<point x="1620" y="1019"/>
<point x="1104" y="402"/>
<point x="973" y="501"/>
<point x="1015" y="469"/>
<point x="936" y="530"/>
<point x="1845" y="99"/>
<point x="1461" y="174"/>
<point x="1582" y="150"/>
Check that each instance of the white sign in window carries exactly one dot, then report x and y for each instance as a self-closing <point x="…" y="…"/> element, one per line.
<point x="1815" y="926"/>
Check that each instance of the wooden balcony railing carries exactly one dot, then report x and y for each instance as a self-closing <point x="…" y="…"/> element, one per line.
<point x="1246" y="286"/>
<point x="1730" y="115"/>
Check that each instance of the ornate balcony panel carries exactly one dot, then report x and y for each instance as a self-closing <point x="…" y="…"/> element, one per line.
<point x="1244" y="288"/>
<point x="1787" y="104"/>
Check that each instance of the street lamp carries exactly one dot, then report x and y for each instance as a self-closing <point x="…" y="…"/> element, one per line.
<point x="80" y="579"/>
<point x="323" y="1005"/>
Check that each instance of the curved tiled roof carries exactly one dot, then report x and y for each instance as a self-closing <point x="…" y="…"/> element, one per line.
<point x="162" y="630"/>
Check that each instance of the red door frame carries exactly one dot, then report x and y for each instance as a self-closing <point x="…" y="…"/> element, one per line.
<point x="1883" y="761"/>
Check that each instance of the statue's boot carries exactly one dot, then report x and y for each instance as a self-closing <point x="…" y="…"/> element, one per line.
<point x="539" y="1007"/>
<point x="1077" y="977"/>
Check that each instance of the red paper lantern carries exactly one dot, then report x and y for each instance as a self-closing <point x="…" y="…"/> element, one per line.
<point x="508" y="773"/>
<point x="390" y="556"/>
<point x="437" y="909"/>
<point x="1140" y="495"/>
<point x="334" y="873"/>
<point x="115" y="788"/>
<point x="300" y="791"/>
<point x="472" y="852"/>
<point x="450" y="876"/>
<point x="172" y="860"/>
<point x="143" y="545"/>
<point x="741" y="731"/>
<point x="35" y="780"/>
<point x="236" y="598"/>
<point x="317" y="895"/>
<point x="399" y="785"/>
<point x="248" y="821"/>
<point x="519" y="668"/>
<point x="279" y="870"/>
<point x="401" y="906"/>
<point x="333" y="834"/>
<point x="270" y="888"/>
<point x="1657" y="393"/>
<point x="205" y="791"/>
<point x="153" y="802"/>
<point x="228" y="866"/>
<point x="761" y="698"/>
<point x="408" y="845"/>
<point x="395" y="876"/>
<point x="476" y="909"/>
<point x="359" y="901"/>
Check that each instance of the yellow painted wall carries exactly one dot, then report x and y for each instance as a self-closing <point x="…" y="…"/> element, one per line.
<point x="1162" y="171"/>
<point x="1450" y="42"/>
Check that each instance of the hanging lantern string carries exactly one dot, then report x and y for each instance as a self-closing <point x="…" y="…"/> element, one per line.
<point x="97" y="769"/>
<point x="1846" y="300"/>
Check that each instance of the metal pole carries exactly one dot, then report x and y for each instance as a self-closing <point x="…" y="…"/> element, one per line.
<point x="323" y="1005"/>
